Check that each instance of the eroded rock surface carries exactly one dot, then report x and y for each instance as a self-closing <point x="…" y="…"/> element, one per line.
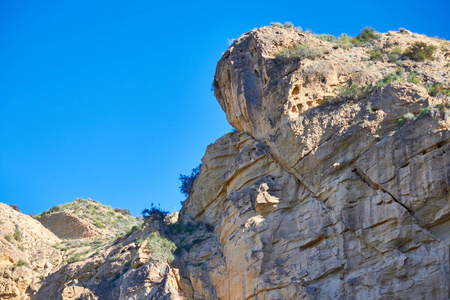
<point x="68" y="226"/>
<point x="317" y="201"/>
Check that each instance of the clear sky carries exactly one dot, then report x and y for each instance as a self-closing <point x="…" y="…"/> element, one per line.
<point x="111" y="100"/>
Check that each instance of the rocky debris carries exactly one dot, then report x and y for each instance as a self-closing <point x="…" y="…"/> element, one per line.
<point x="318" y="199"/>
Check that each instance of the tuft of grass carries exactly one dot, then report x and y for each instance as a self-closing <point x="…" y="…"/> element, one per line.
<point x="420" y="51"/>
<point x="114" y="257"/>
<point x="21" y="263"/>
<point x="161" y="249"/>
<point x="413" y="78"/>
<point x="8" y="238"/>
<point x="18" y="235"/>
<point x="353" y="93"/>
<point x="391" y="77"/>
<point x="296" y="53"/>
<point x="424" y="111"/>
<point x="438" y="90"/>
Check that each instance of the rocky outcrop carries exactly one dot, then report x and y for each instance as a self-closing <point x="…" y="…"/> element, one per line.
<point x="324" y="201"/>
<point x="126" y="270"/>
<point x="66" y="225"/>
<point x="27" y="254"/>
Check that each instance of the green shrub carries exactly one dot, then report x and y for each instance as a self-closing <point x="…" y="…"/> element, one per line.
<point x="437" y="90"/>
<point x="413" y="78"/>
<point x="368" y="34"/>
<point x="187" y="181"/>
<point x="420" y="51"/>
<point x="344" y="41"/>
<point x="326" y="37"/>
<point x="288" y="25"/>
<point x="391" y="77"/>
<point x="353" y="92"/>
<point x="154" y="214"/>
<point x="395" y="54"/>
<point x="18" y="235"/>
<point x="294" y="54"/>
<point x="376" y="54"/>
<point x="188" y="228"/>
<point x="8" y="238"/>
<point x="161" y="249"/>
<point x="424" y="111"/>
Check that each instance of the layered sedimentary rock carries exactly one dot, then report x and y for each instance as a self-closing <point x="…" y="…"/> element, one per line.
<point x="323" y="201"/>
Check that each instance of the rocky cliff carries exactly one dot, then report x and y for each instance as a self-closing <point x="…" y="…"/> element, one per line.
<point x="335" y="185"/>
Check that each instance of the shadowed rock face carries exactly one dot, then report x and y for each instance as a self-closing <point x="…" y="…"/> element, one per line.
<point x="319" y="201"/>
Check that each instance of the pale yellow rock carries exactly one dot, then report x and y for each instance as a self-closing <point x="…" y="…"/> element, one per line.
<point x="315" y="201"/>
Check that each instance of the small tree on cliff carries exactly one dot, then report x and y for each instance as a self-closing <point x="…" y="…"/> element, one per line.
<point x="187" y="181"/>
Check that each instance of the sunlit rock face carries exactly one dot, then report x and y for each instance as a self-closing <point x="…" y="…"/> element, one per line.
<point x="310" y="200"/>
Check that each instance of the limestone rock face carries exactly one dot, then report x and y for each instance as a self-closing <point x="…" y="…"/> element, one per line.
<point x="310" y="200"/>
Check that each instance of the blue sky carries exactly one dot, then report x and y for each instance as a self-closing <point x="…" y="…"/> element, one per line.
<point x="111" y="100"/>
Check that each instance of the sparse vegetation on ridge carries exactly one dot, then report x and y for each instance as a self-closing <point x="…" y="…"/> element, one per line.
<point x="117" y="221"/>
<point x="298" y="52"/>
